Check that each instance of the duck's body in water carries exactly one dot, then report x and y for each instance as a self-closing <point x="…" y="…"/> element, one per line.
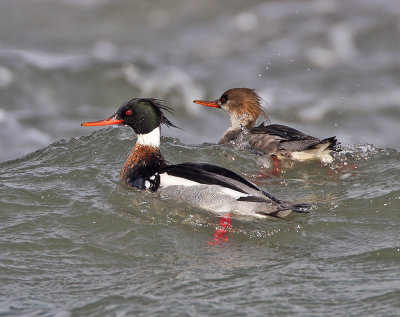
<point x="244" y="108"/>
<point x="210" y="187"/>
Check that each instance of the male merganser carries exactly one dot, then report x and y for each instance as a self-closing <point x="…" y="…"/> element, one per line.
<point x="210" y="187"/>
<point x="244" y="107"/>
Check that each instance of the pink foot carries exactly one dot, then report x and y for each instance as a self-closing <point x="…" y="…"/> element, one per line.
<point x="222" y="231"/>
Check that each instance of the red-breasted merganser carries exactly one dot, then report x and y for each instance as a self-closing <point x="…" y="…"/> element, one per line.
<point x="210" y="187"/>
<point x="244" y="108"/>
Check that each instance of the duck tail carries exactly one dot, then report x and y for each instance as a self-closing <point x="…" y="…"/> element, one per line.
<point x="333" y="144"/>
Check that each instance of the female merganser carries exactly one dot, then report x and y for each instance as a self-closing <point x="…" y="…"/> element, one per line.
<point x="210" y="187"/>
<point x="244" y="107"/>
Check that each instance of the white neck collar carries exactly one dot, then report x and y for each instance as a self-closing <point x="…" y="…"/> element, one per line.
<point x="150" y="139"/>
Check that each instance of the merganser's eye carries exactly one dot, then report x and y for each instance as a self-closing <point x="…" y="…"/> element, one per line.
<point x="128" y="112"/>
<point x="223" y="99"/>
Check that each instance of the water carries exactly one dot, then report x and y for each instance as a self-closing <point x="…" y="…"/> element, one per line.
<point x="76" y="242"/>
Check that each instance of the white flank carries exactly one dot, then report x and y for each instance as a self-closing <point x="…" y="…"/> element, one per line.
<point x="304" y="156"/>
<point x="326" y="157"/>
<point x="151" y="139"/>
<point x="169" y="180"/>
<point x="319" y="153"/>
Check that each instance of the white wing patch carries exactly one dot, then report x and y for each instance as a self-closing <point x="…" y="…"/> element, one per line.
<point x="169" y="180"/>
<point x="234" y="193"/>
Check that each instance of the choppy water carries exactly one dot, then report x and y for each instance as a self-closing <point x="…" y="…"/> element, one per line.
<point x="75" y="242"/>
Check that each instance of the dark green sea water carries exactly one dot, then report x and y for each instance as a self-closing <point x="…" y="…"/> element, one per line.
<point x="76" y="242"/>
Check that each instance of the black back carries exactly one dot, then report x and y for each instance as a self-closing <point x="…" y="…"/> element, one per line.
<point x="282" y="131"/>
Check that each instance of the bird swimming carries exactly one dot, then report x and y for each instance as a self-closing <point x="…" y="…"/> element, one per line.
<point x="207" y="186"/>
<point x="243" y="105"/>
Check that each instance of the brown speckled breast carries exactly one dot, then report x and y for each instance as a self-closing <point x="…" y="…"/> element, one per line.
<point x="142" y="163"/>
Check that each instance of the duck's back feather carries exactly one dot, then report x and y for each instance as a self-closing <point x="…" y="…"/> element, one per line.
<point x="282" y="131"/>
<point x="277" y="138"/>
<point x="219" y="190"/>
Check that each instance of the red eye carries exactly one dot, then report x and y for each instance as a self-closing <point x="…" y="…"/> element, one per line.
<point x="223" y="99"/>
<point x="128" y="112"/>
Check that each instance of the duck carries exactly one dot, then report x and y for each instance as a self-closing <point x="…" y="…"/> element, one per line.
<point x="209" y="187"/>
<point x="243" y="105"/>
